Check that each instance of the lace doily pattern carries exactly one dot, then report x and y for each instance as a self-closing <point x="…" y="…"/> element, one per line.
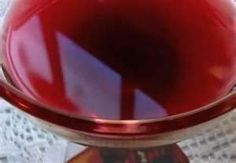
<point x="216" y="145"/>
<point x="23" y="142"/>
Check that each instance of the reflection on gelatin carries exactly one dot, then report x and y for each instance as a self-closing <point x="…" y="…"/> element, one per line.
<point x="123" y="60"/>
<point x="88" y="84"/>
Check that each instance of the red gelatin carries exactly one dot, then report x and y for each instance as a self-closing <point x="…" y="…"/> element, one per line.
<point x="122" y="59"/>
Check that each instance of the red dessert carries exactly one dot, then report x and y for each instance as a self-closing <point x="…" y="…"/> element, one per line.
<point x="117" y="60"/>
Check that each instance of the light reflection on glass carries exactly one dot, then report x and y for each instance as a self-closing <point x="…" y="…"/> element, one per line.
<point x="71" y="78"/>
<point x="23" y="51"/>
<point x="145" y="106"/>
<point x="88" y="82"/>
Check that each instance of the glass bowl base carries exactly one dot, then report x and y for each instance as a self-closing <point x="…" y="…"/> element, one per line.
<point x="164" y="154"/>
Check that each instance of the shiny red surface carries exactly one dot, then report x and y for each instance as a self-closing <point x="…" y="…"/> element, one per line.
<point x="123" y="60"/>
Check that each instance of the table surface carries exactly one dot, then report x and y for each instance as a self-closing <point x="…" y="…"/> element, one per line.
<point x="21" y="141"/>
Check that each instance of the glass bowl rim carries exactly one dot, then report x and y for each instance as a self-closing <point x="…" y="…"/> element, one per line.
<point x="116" y="127"/>
<point x="179" y="121"/>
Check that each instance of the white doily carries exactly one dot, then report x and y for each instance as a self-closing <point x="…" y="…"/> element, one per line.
<point x="23" y="142"/>
<point x="216" y="145"/>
